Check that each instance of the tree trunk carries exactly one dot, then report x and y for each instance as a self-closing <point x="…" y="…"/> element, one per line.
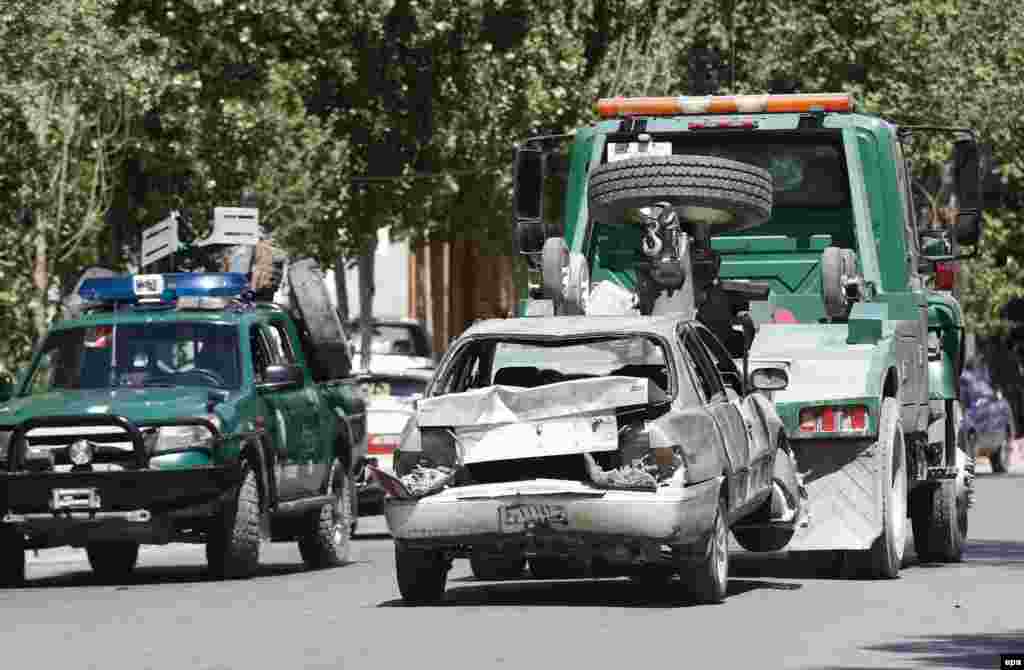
<point x="367" y="290"/>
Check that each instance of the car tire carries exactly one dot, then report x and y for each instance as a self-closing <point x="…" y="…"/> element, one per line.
<point x="774" y="538"/>
<point x="422" y="574"/>
<point x="328" y="541"/>
<point x="935" y="514"/>
<point x="233" y="546"/>
<point x="493" y="567"/>
<point x="706" y="580"/>
<point x="112" y="560"/>
<point x="554" y="269"/>
<point x="556" y="567"/>
<point x="738" y="192"/>
<point x="885" y="557"/>
<point x="12" y="558"/>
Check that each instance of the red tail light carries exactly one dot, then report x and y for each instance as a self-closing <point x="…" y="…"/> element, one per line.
<point x="828" y="420"/>
<point x="382" y="444"/>
<point x="841" y="420"/>
<point x="945" y="276"/>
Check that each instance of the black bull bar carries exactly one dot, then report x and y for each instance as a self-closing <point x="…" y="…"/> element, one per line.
<point x="18" y="445"/>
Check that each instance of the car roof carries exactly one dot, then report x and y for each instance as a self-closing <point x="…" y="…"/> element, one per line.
<point x="576" y="326"/>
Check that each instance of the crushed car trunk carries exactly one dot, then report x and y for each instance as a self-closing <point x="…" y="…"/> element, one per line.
<point x="587" y="430"/>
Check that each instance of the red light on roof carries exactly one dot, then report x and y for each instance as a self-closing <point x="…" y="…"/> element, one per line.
<point x="724" y="104"/>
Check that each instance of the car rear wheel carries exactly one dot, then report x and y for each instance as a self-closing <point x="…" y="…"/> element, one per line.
<point x="496" y="566"/>
<point x="328" y="541"/>
<point x="112" y="560"/>
<point x="12" y="558"/>
<point x="707" y="579"/>
<point x="233" y="546"/>
<point x="422" y="574"/>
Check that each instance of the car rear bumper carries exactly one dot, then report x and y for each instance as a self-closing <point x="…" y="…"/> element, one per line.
<point x="458" y="516"/>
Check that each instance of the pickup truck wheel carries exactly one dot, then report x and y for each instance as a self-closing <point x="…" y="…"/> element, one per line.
<point x="328" y="542"/>
<point x="12" y="558"/>
<point x="112" y="560"/>
<point x="556" y="567"/>
<point x="422" y="574"/>
<point x="707" y="579"/>
<point x="885" y="557"/>
<point x="997" y="458"/>
<point x="728" y="194"/>
<point x="936" y="517"/>
<point x="233" y="546"/>
<point x="493" y="567"/>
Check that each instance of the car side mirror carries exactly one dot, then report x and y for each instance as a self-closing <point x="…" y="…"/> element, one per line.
<point x="769" y="379"/>
<point x="967" y="181"/>
<point x="528" y="200"/>
<point x="280" y="377"/>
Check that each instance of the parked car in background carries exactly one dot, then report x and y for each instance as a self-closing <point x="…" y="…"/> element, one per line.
<point x="390" y="404"/>
<point x="397" y="344"/>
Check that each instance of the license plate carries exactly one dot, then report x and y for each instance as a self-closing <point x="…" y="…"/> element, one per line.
<point x="532" y="515"/>
<point x="149" y="285"/>
<point x="74" y="499"/>
<point x="618" y="151"/>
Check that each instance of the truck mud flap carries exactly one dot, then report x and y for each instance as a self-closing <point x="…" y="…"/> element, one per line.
<point x="844" y="489"/>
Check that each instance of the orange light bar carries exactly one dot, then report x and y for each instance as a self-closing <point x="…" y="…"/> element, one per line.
<point x="724" y="104"/>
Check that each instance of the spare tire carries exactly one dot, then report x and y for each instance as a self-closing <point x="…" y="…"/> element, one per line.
<point x="728" y="194"/>
<point x="328" y="346"/>
<point x="836" y="264"/>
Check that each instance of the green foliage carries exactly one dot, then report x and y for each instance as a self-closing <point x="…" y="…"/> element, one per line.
<point x="345" y="116"/>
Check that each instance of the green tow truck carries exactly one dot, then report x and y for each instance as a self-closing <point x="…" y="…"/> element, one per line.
<point x="178" y="408"/>
<point x="787" y="224"/>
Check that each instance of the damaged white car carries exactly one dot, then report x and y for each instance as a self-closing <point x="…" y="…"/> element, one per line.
<point x="617" y="445"/>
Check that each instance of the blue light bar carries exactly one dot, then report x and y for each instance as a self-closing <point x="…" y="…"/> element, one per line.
<point x="163" y="287"/>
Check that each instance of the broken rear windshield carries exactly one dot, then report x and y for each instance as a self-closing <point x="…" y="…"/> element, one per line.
<point x="531" y="364"/>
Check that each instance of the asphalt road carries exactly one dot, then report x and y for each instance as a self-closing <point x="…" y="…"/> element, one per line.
<point x="777" y="615"/>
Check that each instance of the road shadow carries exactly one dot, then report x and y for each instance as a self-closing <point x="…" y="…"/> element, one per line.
<point x="979" y="651"/>
<point x="163" y="575"/>
<point x="584" y="593"/>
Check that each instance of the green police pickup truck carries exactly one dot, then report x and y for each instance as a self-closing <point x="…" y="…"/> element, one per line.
<point x="177" y="408"/>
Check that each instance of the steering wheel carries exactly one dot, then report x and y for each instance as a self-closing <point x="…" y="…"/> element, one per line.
<point x="206" y="372"/>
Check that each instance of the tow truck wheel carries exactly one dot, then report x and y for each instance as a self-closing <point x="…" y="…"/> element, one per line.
<point x="938" y="510"/>
<point x="112" y="560"/>
<point x="12" y="558"/>
<point x="328" y="542"/>
<point x="422" y="574"/>
<point x="708" y="579"/>
<point x="938" y="536"/>
<point x="233" y="547"/>
<point x="494" y="567"/>
<point x="885" y="557"/>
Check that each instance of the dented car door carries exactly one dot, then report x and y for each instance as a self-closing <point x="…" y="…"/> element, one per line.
<point x="727" y="414"/>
